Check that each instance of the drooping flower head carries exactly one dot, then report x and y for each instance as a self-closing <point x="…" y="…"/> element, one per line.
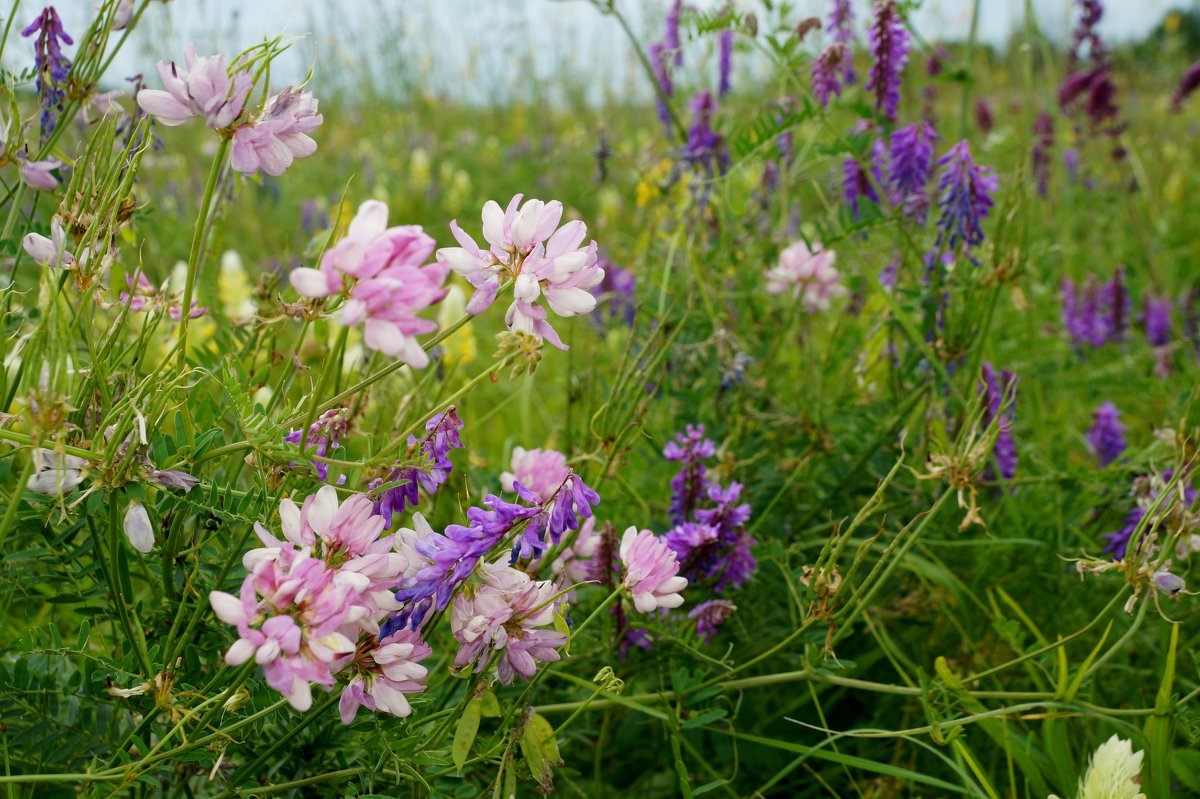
<point x="278" y="136"/>
<point x="964" y="198"/>
<point x="1107" y="435"/>
<point x="651" y="573"/>
<point x="51" y="65"/>
<point x="202" y="88"/>
<point x="808" y="275"/>
<point x="889" y="50"/>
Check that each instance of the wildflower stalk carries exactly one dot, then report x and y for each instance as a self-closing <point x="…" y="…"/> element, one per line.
<point x="199" y="233"/>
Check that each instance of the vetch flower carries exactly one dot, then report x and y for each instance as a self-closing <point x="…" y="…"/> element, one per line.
<point x="964" y="198"/>
<point x="432" y="451"/>
<point x="911" y="155"/>
<point x="55" y="473"/>
<point x="827" y="72"/>
<point x="325" y="434"/>
<point x="202" y="88"/>
<point x="999" y="396"/>
<point x="506" y="614"/>
<point x="36" y="174"/>
<point x="841" y="29"/>
<point x="808" y="275"/>
<point x="50" y="251"/>
<point x="51" y="66"/>
<point x="709" y="615"/>
<point x="1188" y="83"/>
<point x="384" y="670"/>
<point x="138" y="528"/>
<point x="542" y="259"/>
<point x="889" y="48"/>
<point x="689" y="485"/>
<point x="651" y="571"/>
<point x="1107" y="436"/>
<point x="278" y="136"/>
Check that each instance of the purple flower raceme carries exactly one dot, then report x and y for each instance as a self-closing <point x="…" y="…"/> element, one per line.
<point x="381" y="271"/>
<point x="1156" y="319"/>
<point x="671" y="41"/>
<point x="432" y="454"/>
<point x="1107" y="435"/>
<point x="828" y="72"/>
<point x="666" y="88"/>
<point x="1096" y="313"/>
<point x="541" y="258"/>
<point x="889" y="50"/>
<point x="1189" y="81"/>
<point x="911" y="151"/>
<point x="1173" y="511"/>
<point x="999" y="398"/>
<point x="724" y="62"/>
<point x="325" y="435"/>
<point x="841" y="30"/>
<point x="709" y="615"/>
<point x="705" y="147"/>
<point x="689" y="486"/>
<point x="983" y="117"/>
<point x="856" y="186"/>
<point x="616" y="294"/>
<point x="1043" y="143"/>
<point x="51" y="66"/>
<point x="964" y="199"/>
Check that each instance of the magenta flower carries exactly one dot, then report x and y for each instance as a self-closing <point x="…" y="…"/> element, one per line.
<point x="539" y="471"/>
<point x="389" y="285"/>
<point x="651" y="571"/>
<point x="542" y="259"/>
<point x="506" y="614"/>
<point x="204" y="88"/>
<point x="278" y="136"/>
<point x="808" y="275"/>
<point x="385" y="670"/>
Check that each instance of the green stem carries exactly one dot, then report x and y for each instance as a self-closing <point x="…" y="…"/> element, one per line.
<point x="198" y="235"/>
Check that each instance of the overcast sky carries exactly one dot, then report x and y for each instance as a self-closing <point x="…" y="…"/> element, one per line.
<point x="473" y="49"/>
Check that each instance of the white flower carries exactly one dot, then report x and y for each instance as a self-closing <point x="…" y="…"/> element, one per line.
<point x="138" y="529"/>
<point x="1113" y="773"/>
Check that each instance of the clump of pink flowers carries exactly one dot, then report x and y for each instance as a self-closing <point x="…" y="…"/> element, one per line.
<point x="311" y="604"/>
<point x="279" y="135"/>
<point x="542" y="259"/>
<point x="507" y="615"/>
<point x="651" y="571"/>
<point x="202" y="87"/>
<point x="382" y="271"/>
<point x="808" y="275"/>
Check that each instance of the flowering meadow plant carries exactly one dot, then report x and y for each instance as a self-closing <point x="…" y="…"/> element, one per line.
<point x="813" y="417"/>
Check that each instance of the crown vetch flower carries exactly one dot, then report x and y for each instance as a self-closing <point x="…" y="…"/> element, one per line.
<point x="1107" y="436"/>
<point x="539" y="471"/>
<point x="202" y="88"/>
<point x="889" y="48"/>
<point x="705" y="147"/>
<point x="143" y="296"/>
<point x="651" y="571"/>
<point x="385" y="669"/>
<point x="541" y="258"/>
<point x="506" y="614"/>
<point x="51" y="251"/>
<point x="54" y="473"/>
<point x="856" y="184"/>
<point x="278" y="136"/>
<point x="808" y="275"/>
<point x="36" y="174"/>
<point x="389" y="284"/>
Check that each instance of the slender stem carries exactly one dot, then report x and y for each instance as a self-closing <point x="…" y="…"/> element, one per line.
<point x="198" y="236"/>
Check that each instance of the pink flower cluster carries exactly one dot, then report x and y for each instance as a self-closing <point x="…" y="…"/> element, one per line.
<point x="270" y="142"/>
<point x="202" y="88"/>
<point x="651" y="571"/>
<point x="808" y="275"/>
<point x="389" y="282"/>
<point x="310" y="597"/>
<point x="278" y="136"/>
<point x="506" y="615"/>
<point x="543" y="260"/>
<point x="539" y="471"/>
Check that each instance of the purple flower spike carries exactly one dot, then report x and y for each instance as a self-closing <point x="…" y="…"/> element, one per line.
<point x="841" y="28"/>
<point x="689" y="485"/>
<point x="889" y="49"/>
<point x="911" y="164"/>
<point x="724" y="62"/>
<point x="964" y="198"/>
<point x="51" y="65"/>
<point x="1107" y="436"/>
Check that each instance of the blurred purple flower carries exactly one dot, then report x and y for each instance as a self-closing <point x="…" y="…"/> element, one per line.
<point x="964" y="198"/>
<point x="724" y="62"/>
<point x="889" y="50"/>
<point x="51" y="65"/>
<point x="1107" y="435"/>
<point x="997" y="390"/>
<point x="710" y="615"/>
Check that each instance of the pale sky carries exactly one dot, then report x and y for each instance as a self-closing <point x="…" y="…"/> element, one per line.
<point x="475" y="49"/>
